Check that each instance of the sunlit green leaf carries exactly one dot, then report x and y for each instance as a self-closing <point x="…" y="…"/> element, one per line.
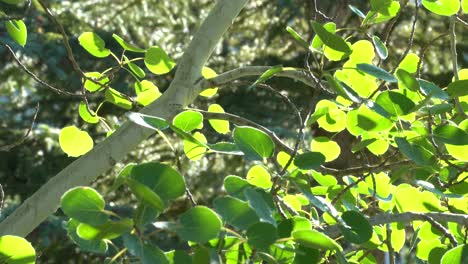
<point x="188" y="120"/>
<point x="262" y="203"/>
<point x="147" y="92"/>
<point x="108" y="230"/>
<point x="220" y="126"/>
<point x="255" y="143"/>
<point x="458" y="254"/>
<point x="451" y="135"/>
<point x="157" y="61"/>
<point x="209" y="73"/>
<point x="329" y="39"/>
<point x="376" y="72"/>
<point x="315" y="239"/>
<point x="259" y="176"/>
<point x="268" y="74"/>
<point x="395" y="103"/>
<point x="17" y="31"/>
<point x="85" y="205"/>
<point x="152" y="122"/>
<point x="16" y="250"/>
<point x="195" y="150"/>
<point x="94" y="44"/>
<point x="74" y="141"/>
<point x="117" y="98"/>
<point x="458" y="88"/>
<point x="95" y="246"/>
<point x="235" y="212"/>
<point x="127" y="46"/>
<point x="442" y="7"/>
<point x="330" y="149"/>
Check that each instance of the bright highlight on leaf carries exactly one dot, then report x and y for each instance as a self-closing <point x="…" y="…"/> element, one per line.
<point x="75" y="142"/>
<point x="86" y="115"/>
<point x="117" y="98"/>
<point x="315" y="239"/>
<point x="380" y="47"/>
<point x="220" y="126"/>
<point x="157" y="61"/>
<point x="127" y="46"/>
<point x="146" y="92"/>
<point x="100" y="82"/>
<point x="209" y="73"/>
<point x="94" y="44"/>
<point x="193" y="150"/>
<point x="188" y="120"/>
<point x="16" y="250"/>
<point x="17" y="31"/>
<point x="442" y="7"/>
<point x="330" y="149"/>
<point x="259" y="176"/>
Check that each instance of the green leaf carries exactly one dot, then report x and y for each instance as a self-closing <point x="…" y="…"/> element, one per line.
<point x="297" y="37"/>
<point x="145" y="194"/>
<point x="178" y="257"/>
<point x="199" y="224"/>
<point x="317" y="43"/>
<point x="139" y="72"/>
<point x="235" y="212"/>
<point x="16" y="250"/>
<point x="86" y="115"/>
<point x="95" y="246"/>
<point x="456" y="255"/>
<point x="330" y="149"/>
<point x="407" y="80"/>
<point x="75" y="142"/>
<point x="458" y="88"/>
<point x="451" y="135"/>
<point x="442" y="7"/>
<point x="152" y="122"/>
<point x="356" y="11"/>
<point x="262" y="203"/>
<point x="108" y="230"/>
<point x="220" y="126"/>
<point x="226" y="148"/>
<point x="359" y="229"/>
<point x="363" y="52"/>
<point x="305" y="255"/>
<point x="147" y="253"/>
<point x="309" y="160"/>
<point x="101" y="81"/>
<point x="188" y="120"/>
<point x="376" y="72"/>
<point x="145" y="214"/>
<point x="127" y="46"/>
<point x="429" y="88"/>
<point x="255" y="143"/>
<point x="234" y="185"/>
<point x="267" y="75"/>
<point x="259" y="176"/>
<point x="147" y="92"/>
<point x="361" y="145"/>
<point x="116" y="98"/>
<point x="12" y="2"/>
<point x="380" y="47"/>
<point x="381" y="11"/>
<point x="94" y="44"/>
<point x="157" y="61"/>
<point x="330" y="40"/>
<point x="85" y="205"/>
<point x="464" y="6"/>
<point x="261" y="236"/>
<point x="337" y="87"/>
<point x="314" y="239"/>
<point x="161" y="178"/>
<point x="413" y="151"/>
<point x="195" y="147"/>
<point x="209" y="73"/>
<point x="17" y="31"/>
<point x="395" y="103"/>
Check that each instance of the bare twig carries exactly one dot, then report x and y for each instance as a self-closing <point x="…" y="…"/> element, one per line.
<point x="2" y="197"/>
<point x="27" y="7"/>
<point x="21" y="140"/>
<point x="453" y="49"/>
<point x="442" y="229"/>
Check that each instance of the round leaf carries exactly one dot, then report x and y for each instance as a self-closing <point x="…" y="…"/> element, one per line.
<point x="209" y="73"/>
<point x="91" y="86"/>
<point x="16" y="250"/>
<point x="451" y="135"/>
<point x="108" y="230"/>
<point x="330" y="149"/>
<point x="146" y="92"/>
<point x="360" y="230"/>
<point x="188" y="120"/>
<point x="86" y="115"/>
<point x="93" y="44"/>
<point x="442" y="7"/>
<point x="157" y="61"/>
<point x="309" y="160"/>
<point x="116" y="98"/>
<point x="75" y="142"/>
<point x="162" y="179"/>
<point x="259" y="176"/>
<point x="220" y="126"/>
<point x="85" y="205"/>
<point x="395" y="103"/>
<point x="234" y="185"/>
<point x="456" y="255"/>
<point x="261" y="235"/>
<point x="235" y="212"/>
<point x="199" y="224"/>
<point x="194" y="151"/>
<point x="255" y="143"/>
<point x="315" y="239"/>
<point x="17" y="31"/>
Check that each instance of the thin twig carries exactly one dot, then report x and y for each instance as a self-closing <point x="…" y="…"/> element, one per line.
<point x="453" y="49"/>
<point x="442" y="229"/>
<point x="388" y="241"/>
<point x="2" y="197"/>
<point x="21" y="140"/>
<point x="27" y="7"/>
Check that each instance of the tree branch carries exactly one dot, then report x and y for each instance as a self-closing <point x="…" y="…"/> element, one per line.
<point x="104" y="155"/>
<point x="461" y="219"/>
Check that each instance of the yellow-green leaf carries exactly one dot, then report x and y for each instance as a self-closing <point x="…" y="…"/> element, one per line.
<point x="75" y="142"/>
<point x="220" y="126"/>
<point x="94" y="44"/>
<point x="17" y="31"/>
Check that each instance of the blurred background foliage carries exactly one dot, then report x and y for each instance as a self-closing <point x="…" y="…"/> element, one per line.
<point x="258" y="37"/>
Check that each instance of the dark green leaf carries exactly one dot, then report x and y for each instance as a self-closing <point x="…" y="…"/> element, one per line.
<point x="376" y="72"/>
<point x="85" y="205"/>
<point x="382" y="50"/>
<point x="261" y="236"/>
<point x="267" y="75"/>
<point x="429" y="88"/>
<point x="255" y="143"/>
<point x="458" y="88"/>
<point x="358" y="230"/>
<point x="330" y="40"/>
<point x="413" y="151"/>
<point x="152" y="122"/>
<point x="234" y="185"/>
<point x="262" y="203"/>
<point x="309" y="160"/>
<point x="235" y="212"/>
<point x="451" y="135"/>
<point x="145" y="194"/>
<point x="95" y="246"/>
<point x="357" y="11"/>
<point x="226" y="147"/>
<point x="297" y="37"/>
<point x="199" y="224"/>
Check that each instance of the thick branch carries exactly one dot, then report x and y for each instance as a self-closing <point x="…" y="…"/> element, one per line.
<point x="462" y="219"/>
<point x="102" y="157"/>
